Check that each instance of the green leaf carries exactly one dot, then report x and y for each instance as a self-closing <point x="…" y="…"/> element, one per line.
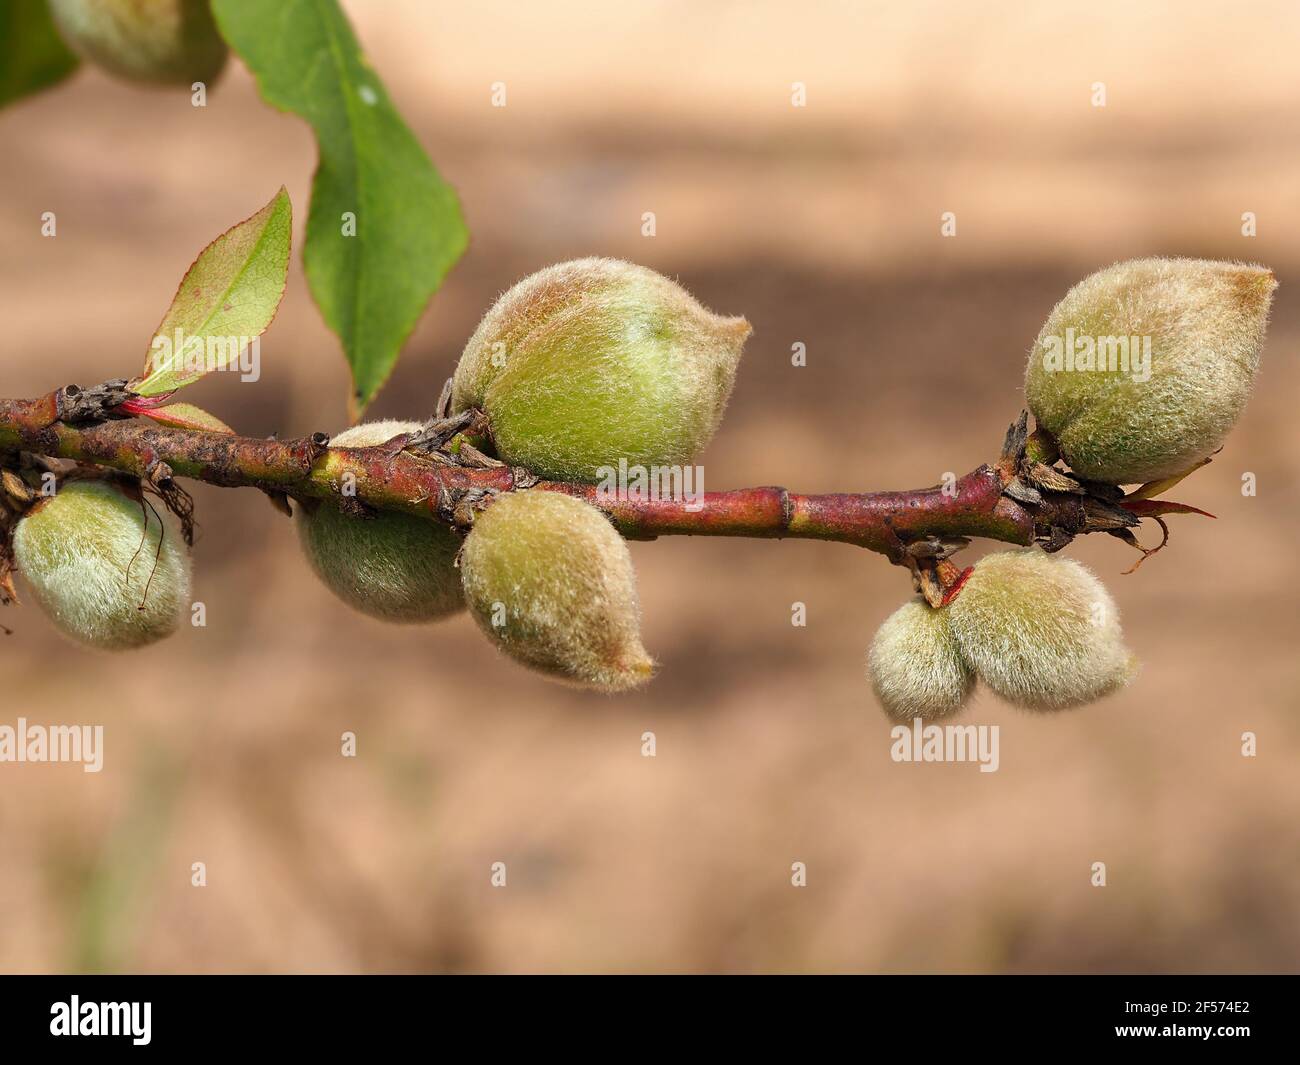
<point x="226" y="299"/>
<point x="32" y="54"/>
<point x="371" y="287"/>
<point x="186" y="416"/>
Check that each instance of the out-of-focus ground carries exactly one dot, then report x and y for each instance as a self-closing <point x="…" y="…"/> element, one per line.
<point x="822" y="225"/>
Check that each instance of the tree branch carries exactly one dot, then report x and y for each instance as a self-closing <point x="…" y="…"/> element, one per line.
<point x="389" y="478"/>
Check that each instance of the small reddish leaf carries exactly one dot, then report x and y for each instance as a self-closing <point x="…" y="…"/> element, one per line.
<point x="1150" y="508"/>
<point x="142" y="404"/>
<point x="186" y="416"/>
<point x="956" y="588"/>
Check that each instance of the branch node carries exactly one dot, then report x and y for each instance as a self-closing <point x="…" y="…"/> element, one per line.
<point x="76" y="405"/>
<point x="160" y="475"/>
<point x="307" y="450"/>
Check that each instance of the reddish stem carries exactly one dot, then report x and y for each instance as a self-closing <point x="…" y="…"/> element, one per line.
<point x="306" y="469"/>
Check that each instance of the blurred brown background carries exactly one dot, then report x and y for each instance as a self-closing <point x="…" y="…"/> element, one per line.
<point x="821" y="224"/>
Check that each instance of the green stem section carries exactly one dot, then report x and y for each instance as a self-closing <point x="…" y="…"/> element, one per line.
<point x="974" y="506"/>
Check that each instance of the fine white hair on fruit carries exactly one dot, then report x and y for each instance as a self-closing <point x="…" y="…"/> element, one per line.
<point x="1143" y="368"/>
<point x="551" y="584"/>
<point x="372" y="434"/>
<point x="915" y="665"/>
<point x="109" y="571"/>
<point x="1040" y="630"/>
<point x="593" y="361"/>
<point x="394" y="567"/>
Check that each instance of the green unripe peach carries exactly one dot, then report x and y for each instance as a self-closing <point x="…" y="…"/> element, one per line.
<point x="1200" y="322"/>
<point x="395" y="567"/>
<point x="1040" y="630"/>
<point x="551" y="583"/>
<point x="163" y="41"/>
<point x="95" y="565"/>
<point x="915" y="665"/>
<point x="592" y="361"/>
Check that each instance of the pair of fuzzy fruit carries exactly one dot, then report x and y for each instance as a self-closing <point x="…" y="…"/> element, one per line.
<point x="544" y="574"/>
<point x="1039" y="630"/>
<point x="590" y="362"/>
